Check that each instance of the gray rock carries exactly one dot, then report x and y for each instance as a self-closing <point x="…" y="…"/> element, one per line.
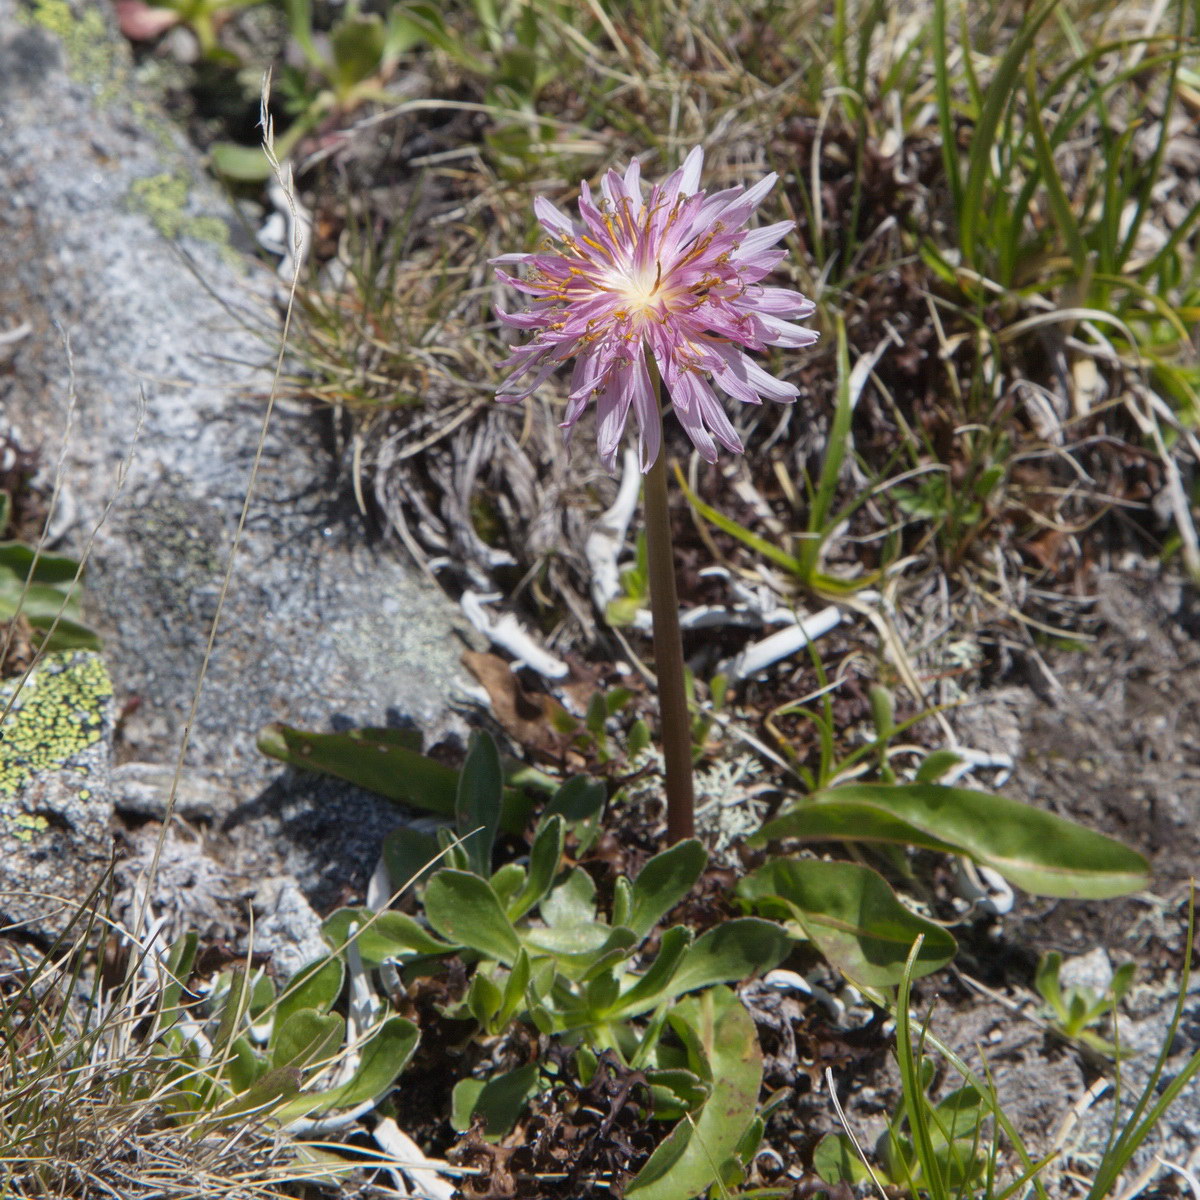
<point x="55" y="801"/>
<point x="286" y="927"/>
<point x="1093" y="971"/>
<point x="112" y="235"/>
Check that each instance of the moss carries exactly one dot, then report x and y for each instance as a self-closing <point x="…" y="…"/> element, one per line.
<point x="58" y="713"/>
<point x="163" y="198"/>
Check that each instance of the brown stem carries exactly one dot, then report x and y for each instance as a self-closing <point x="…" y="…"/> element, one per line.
<point x="668" y="649"/>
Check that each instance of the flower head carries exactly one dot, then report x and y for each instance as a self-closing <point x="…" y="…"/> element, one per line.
<point x="676" y="275"/>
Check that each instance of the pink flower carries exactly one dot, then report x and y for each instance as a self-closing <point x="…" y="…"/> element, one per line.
<point x="679" y="274"/>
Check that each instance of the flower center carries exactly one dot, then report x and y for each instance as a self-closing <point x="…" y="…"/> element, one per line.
<point x="641" y="289"/>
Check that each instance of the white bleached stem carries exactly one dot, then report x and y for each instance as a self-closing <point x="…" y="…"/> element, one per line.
<point x="604" y="544"/>
<point x="507" y="633"/>
<point x="782" y="644"/>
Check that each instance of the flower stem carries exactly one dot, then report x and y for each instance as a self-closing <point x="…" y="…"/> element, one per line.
<point x="668" y="649"/>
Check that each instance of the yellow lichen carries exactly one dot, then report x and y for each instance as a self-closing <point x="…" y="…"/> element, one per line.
<point x="58" y="713"/>
<point x="163" y="198"/>
<point x="86" y="41"/>
<point x="23" y="826"/>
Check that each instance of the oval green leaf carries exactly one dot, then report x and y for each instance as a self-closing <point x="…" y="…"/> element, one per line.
<point x="463" y="908"/>
<point x="852" y="916"/>
<point x="729" y="953"/>
<point x="1043" y="853"/>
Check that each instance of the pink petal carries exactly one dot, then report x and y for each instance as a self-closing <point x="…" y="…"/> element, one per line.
<point x="555" y="221"/>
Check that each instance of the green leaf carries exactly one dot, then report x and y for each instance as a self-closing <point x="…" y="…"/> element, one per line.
<point x="262" y="997"/>
<point x="307" y="1037"/>
<point x="579" y="799"/>
<point x="998" y="97"/>
<point x="747" y="537"/>
<point x="499" y="1101"/>
<point x="358" y="43"/>
<point x="663" y="882"/>
<point x="180" y="960"/>
<point x="652" y="987"/>
<point x="622" y="902"/>
<point x="514" y="991"/>
<point x="245" y="164"/>
<point x="385" y="761"/>
<point x="676" y="1091"/>
<point x="836" y="1161"/>
<point x="245" y="1066"/>
<point x="1040" y="852"/>
<point x="384" y="937"/>
<point x="721" y="1035"/>
<point x="1045" y="980"/>
<point x="731" y="952"/>
<point x="478" y="801"/>
<point x="507" y="881"/>
<point x="544" y="857"/>
<point x="483" y="998"/>
<point x="410" y="856"/>
<point x="601" y="991"/>
<point x="18" y="560"/>
<point x="380" y="760"/>
<point x="315" y="986"/>
<point x="381" y="1059"/>
<point x="572" y="903"/>
<point x="853" y="917"/>
<point x="463" y="908"/>
<point x="266" y="1094"/>
<point x="50" y="599"/>
<point x="937" y="764"/>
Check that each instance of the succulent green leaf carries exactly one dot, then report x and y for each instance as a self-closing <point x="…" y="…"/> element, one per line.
<point x="514" y="990"/>
<point x="729" y="953"/>
<point x="499" y="1101"/>
<point x="937" y="764"/>
<point x="180" y="960"/>
<point x="836" y="1161"/>
<point x="245" y="1065"/>
<point x="572" y="902"/>
<point x="484" y="998"/>
<point x="676" y="1091"/>
<point x="622" y="904"/>
<point x="652" y="987"/>
<point x="853" y="917"/>
<point x="307" y="1037"/>
<point x="663" y="882"/>
<point x="1043" y="853"/>
<point x="380" y="760"/>
<point x="383" y="937"/>
<point x="601" y="991"/>
<point x="264" y="1096"/>
<point x="246" y="164"/>
<point x="358" y="43"/>
<point x="315" y="986"/>
<point x="478" y="801"/>
<point x="381" y="1059"/>
<point x="544" y="856"/>
<point x="580" y="798"/>
<point x="410" y="856"/>
<point x="463" y="908"/>
<point x="47" y="601"/>
<point x="507" y="882"/>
